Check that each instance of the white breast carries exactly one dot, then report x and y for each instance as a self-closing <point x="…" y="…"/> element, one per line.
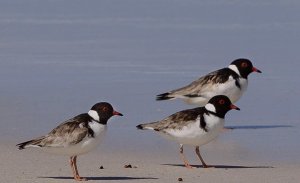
<point x="229" y="89"/>
<point x="97" y="127"/>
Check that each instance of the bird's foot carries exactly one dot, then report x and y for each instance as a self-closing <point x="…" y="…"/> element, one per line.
<point x="78" y="178"/>
<point x="188" y="166"/>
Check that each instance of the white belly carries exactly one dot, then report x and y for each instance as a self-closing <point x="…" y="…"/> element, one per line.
<point x="196" y="136"/>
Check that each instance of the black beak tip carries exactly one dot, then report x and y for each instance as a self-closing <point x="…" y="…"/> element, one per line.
<point x="254" y="69"/>
<point x="115" y="113"/>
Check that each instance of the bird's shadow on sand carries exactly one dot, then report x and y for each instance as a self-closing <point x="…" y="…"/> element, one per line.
<point x="104" y="178"/>
<point x="222" y="166"/>
<point x="255" y="127"/>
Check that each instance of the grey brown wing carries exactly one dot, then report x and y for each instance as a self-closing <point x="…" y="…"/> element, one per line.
<point x="198" y="87"/>
<point x="177" y="120"/>
<point x="66" y="134"/>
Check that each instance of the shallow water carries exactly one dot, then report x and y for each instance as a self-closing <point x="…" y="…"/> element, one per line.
<point x="58" y="58"/>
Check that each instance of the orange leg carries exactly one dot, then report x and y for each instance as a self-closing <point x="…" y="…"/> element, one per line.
<point x="201" y="159"/>
<point x="73" y="163"/>
<point x="186" y="163"/>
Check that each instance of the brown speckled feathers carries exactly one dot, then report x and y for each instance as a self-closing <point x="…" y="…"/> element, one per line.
<point x="205" y="83"/>
<point x="177" y="120"/>
<point x="70" y="132"/>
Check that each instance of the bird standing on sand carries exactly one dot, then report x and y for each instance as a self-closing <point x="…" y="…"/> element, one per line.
<point x="231" y="81"/>
<point x="194" y="127"/>
<point x="76" y="136"/>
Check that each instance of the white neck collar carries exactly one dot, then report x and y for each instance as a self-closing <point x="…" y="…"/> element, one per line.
<point x="94" y="115"/>
<point x="210" y="108"/>
<point x="235" y="69"/>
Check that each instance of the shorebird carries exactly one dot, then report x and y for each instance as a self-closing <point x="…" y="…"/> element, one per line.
<point x="76" y="136"/>
<point x="194" y="127"/>
<point x="231" y="81"/>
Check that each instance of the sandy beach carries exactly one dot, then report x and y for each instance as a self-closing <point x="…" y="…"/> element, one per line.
<point x="58" y="58"/>
<point x="34" y="166"/>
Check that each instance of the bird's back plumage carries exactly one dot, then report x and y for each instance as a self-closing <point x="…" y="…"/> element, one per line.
<point x="175" y="121"/>
<point x="202" y="89"/>
<point x="68" y="133"/>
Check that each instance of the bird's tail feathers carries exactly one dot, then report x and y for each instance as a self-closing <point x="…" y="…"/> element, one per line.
<point x="164" y="96"/>
<point x="147" y="126"/>
<point x="32" y="143"/>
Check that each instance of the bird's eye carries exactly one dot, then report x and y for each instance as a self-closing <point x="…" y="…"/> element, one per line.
<point x="244" y="65"/>
<point x="104" y="109"/>
<point x="222" y="102"/>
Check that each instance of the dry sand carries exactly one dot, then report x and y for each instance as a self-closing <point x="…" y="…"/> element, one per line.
<point x="31" y="166"/>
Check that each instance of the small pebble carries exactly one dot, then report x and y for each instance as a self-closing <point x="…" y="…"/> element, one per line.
<point x="101" y="167"/>
<point x="180" y="179"/>
<point x="134" y="166"/>
<point x="128" y="166"/>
